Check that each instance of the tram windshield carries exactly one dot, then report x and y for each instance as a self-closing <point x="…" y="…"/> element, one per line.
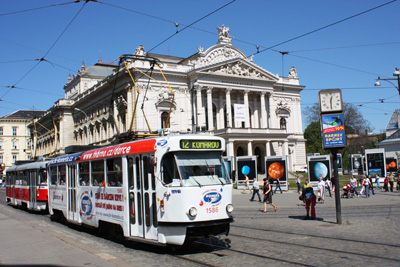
<point x="194" y="169"/>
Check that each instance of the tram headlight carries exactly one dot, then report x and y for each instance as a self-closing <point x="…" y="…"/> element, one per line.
<point x="229" y="208"/>
<point x="193" y="211"/>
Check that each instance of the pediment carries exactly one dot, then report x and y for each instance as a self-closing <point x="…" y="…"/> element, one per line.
<point x="239" y="68"/>
<point x="215" y="54"/>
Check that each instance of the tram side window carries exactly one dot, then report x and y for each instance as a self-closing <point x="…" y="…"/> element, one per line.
<point x="130" y="173"/>
<point x="24" y="178"/>
<point x="114" y="172"/>
<point x="62" y="174"/>
<point x="84" y="174"/>
<point x="98" y="173"/>
<point x="145" y="173"/>
<point x="42" y="177"/>
<point x="169" y="172"/>
<point x="53" y="174"/>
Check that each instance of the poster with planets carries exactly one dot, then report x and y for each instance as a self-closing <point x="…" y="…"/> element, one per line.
<point x="276" y="168"/>
<point x="391" y="164"/>
<point x="246" y="166"/>
<point x="356" y="163"/>
<point x="317" y="167"/>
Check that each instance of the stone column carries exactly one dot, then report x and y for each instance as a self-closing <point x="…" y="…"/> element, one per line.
<point x="267" y="149"/>
<point x="285" y="147"/>
<point x="229" y="149"/>
<point x="228" y="108"/>
<point x="264" y="118"/>
<point x="246" y="106"/>
<point x="199" y="108"/>
<point x="249" y="148"/>
<point x="220" y="120"/>
<point x="269" y="111"/>
<point x="210" y="109"/>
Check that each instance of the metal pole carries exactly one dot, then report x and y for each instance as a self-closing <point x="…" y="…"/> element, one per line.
<point x="337" y="189"/>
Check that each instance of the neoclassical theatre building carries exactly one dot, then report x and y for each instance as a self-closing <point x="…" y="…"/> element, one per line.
<point x="217" y="91"/>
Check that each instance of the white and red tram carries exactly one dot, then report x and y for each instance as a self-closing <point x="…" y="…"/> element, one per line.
<point x="26" y="185"/>
<point x="164" y="190"/>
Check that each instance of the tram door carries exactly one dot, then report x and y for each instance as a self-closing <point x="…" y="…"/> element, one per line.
<point x="72" y="215"/>
<point x="32" y="188"/>
<point x="142" y="196"/>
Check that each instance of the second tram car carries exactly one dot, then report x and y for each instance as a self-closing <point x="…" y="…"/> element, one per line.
<point x="164" y="190"/>
<point x="26" y="186"/>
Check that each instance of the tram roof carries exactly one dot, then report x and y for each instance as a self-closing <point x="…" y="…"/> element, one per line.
<point x="28" y="166"/>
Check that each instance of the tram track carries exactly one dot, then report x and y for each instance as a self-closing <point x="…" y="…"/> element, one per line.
<point x="320" y="248"/>
<point x="313" y="236"/>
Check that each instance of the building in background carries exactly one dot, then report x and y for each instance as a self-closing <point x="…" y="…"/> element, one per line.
<point x="15" y="139"/>
<point x="217" y="91"/>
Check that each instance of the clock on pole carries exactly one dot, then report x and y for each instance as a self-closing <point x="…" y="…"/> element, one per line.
<point x="330" y="101"/>
<point x="333" y="135"/>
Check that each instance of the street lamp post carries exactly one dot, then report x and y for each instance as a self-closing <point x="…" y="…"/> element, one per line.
<point x="87" y="124"/>
<point x="396" y="73"/>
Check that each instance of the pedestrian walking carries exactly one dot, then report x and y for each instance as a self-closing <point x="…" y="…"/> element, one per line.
<point x="278" y="185"/>
<point x="386" y="184"/>
<point x="328" y="187"/>
<point x="391" y="181"/>
<point x="267" y="191"/>
<point x="298" y="182"/>
<point x="362" y="186"/>
<point x="256" y="189"/>
<point x="366" y="186"/>
<point x="246" y="184"/>
<point x="353" y="184"/>
<point x="377" y="183"/>
<point x="309" y="198"/>
<point x="321" y="189"/>
<point x="371" y="186"/>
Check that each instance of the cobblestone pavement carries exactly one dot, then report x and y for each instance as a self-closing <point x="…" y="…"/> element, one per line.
<point x="368" y="236"/>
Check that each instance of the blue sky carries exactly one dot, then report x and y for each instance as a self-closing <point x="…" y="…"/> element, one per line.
<point x="349" y="55"/>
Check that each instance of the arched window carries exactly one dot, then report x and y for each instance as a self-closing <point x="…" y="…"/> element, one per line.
<point x="283" y="123"/>
<point x="239" y="152"/>
<point x="164" y="117"/>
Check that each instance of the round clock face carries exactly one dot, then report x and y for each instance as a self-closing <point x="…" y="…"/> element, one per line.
<point x="330" y="101"/>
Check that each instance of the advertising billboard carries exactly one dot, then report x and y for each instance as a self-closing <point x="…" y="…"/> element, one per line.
<point x="391" y="164"/>
<point x="246" y="166"/>
<point x="356" y="164"/>
<point x="375" y="162"/>
<point x="318" y="165"/>
<point x="276" y="167"/>
<point x="333" y="131"/>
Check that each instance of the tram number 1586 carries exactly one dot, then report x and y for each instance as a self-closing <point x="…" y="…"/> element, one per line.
<point x="212" y="210"/>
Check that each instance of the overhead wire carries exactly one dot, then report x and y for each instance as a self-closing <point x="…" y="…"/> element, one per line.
<point x="327" y="26"/>
<point x="47" y="52"/>
<point x="35" y="8"/>
<point x="200" y="19"/>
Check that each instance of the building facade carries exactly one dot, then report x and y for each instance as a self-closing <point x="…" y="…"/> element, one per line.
<point x="15" y="139"/>
<point x="217" y="91"/>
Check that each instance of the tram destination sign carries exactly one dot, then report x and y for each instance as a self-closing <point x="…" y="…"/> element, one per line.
<point x="200" y="144"/>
